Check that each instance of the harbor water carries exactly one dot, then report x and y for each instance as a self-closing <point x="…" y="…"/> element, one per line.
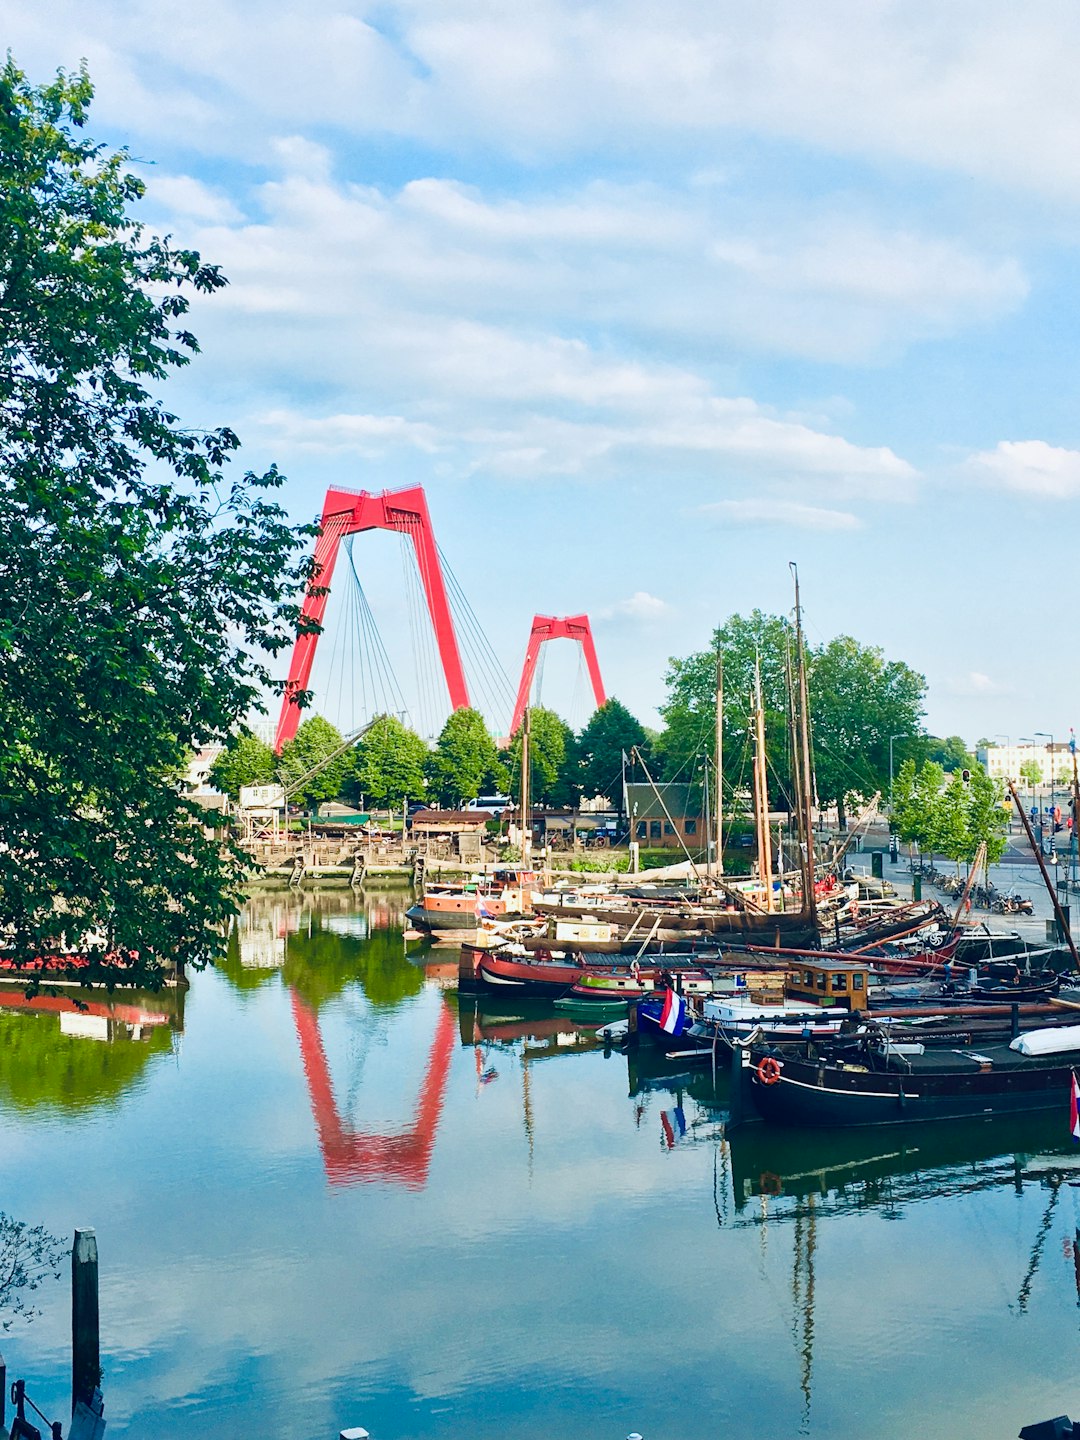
<point x="327" y="1194"/>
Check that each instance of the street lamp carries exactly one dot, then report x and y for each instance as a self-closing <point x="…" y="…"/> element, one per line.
<point x="1047" y="735"/>
<point x="902" y="735"/>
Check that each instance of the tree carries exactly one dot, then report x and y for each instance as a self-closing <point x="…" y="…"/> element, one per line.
<point x="387" y="764"/>
<point x="925" y="816"/>
<point x="552" y="760"/>
<point x="951" y="753"/>
<point x="1031" y="773"/>
<point x="988" y="815"/>
<point x="689" y="713"/>
<point x="141" y="584"/>
<point x="315" y="741"/>
<point x="951" y="830"/>
<point x="610" y="734"/>
<point x="858" y="699"/>
<point x="246" y="760"/>
<point x="465" y="762"/>
<point x="904" y="820"/>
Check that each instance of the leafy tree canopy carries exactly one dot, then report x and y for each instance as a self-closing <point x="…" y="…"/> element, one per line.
<point x="611" y="733"/>
<point x="951" y="753"/>
<point x="314" y="741"/>
<point x="246" y="760"/>
<point x="858" y="699"/>
<point x="141" y="581"/>
<point x="552" y="760"/>
<point x="387" y="764"/>
<point x="465" y="762"/>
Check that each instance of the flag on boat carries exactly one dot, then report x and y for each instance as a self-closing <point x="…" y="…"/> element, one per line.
<point x="1074" y="1106"/>
<point x="673" y="1013"/>
<point x="673" y="1124"/>
<point x="482" y="911"/>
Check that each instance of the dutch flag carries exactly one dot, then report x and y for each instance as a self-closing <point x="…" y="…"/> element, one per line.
<point x="673" y="1013"/>
<point x="1074" y="1107"/>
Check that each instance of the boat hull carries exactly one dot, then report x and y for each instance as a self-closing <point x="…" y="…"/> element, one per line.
<point x="804" y="1096"/>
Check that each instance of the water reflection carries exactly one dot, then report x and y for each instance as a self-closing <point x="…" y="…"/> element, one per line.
<point x="76" y="1050"/>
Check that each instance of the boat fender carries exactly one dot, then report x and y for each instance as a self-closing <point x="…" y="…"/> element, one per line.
<point x="768" y="1070"/>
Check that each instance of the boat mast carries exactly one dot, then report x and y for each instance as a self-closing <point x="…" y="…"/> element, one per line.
<point x="806" y="766"/>
<point x="719" y="762"/>
<point x="761" y="794"/>
<point x="802" y="846"/>
<point x="526" y="818"/>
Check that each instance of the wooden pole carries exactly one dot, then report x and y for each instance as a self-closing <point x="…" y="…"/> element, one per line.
<point x="526" y="818"/>
<point x="1063" y="928"/>
<point x="764" y="831"/>
<point x="807" y="767"/>
<point x="85" y="1339"/>
<point x="719" y="798"/>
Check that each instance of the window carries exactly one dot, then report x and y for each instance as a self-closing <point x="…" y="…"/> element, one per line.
<point x="809" y="976"/>
<point x="691" y="827"/>
<point x="856" y="982"/>
<point x="822" y="981"/>
<point x="669" y="829"/>
<point x="642" y="829"/>
<point x="654" y="829"/>
<point x="839" y="982"/>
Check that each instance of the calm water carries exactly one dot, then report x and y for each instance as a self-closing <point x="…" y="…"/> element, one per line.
<point x="324" y="1197"/>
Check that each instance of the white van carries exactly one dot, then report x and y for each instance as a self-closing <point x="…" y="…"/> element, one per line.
<point x="493" y="804"/>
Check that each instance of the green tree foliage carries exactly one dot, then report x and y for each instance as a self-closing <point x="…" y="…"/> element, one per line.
<point x="465" y="762"/>
<point x="952" y="836"/>
<point x="611" y="733"/>
<point x="1031" y="773"/>
<point x="140" y="581"/>
<point x="951" y="753"/>
<point x="246" y="760"/>
<point x="988" y="815"/>
<point x="951" y="819"/>
<point x="386" y="765"/>
<point x="552" y="760"/>
<point x="315" y="740"/>
<point x="904" y="821"/>
<point x="689" y="713"/>
<point x="858" y="699"/>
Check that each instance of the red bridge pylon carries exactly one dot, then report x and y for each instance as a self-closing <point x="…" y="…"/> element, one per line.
<point x="551" y="627"/>
<point x="348" y="512"/>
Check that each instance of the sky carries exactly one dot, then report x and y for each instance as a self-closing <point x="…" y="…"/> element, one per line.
<point x="652" y="300"/>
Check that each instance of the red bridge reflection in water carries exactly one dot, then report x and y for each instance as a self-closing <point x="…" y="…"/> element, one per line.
<point x="350" y="1156"/>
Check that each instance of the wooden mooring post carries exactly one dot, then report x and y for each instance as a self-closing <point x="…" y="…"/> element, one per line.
<point x="85" y="1330"/>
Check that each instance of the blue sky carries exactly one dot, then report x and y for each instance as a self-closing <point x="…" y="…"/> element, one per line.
<point x="651" y="300"/>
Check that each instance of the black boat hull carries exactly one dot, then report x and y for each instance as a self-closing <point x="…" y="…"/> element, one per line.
<point x="848" y="1098"/>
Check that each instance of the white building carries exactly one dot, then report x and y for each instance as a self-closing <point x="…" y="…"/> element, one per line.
<point x="1003" y="762"/>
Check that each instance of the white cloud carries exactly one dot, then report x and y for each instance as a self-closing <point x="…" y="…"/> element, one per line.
<point x="641" y="606"/>
<point x="1032" y="467"/>
<point x="360" y="434"/>
<point x="789" y="513"/>
<point x="184" y="197"/>
<point x="976" y="87"/>
<point x="974" y="684"/>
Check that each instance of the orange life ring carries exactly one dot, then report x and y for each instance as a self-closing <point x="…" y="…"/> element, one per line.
<point x="770" y="1183"/>
<point x="768" y="1070"/>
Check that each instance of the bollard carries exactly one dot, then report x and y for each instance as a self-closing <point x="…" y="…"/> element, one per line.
<point x="916" y="887"/>
<point x="877" y="865"/>
<point x="85" y="1343"/>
